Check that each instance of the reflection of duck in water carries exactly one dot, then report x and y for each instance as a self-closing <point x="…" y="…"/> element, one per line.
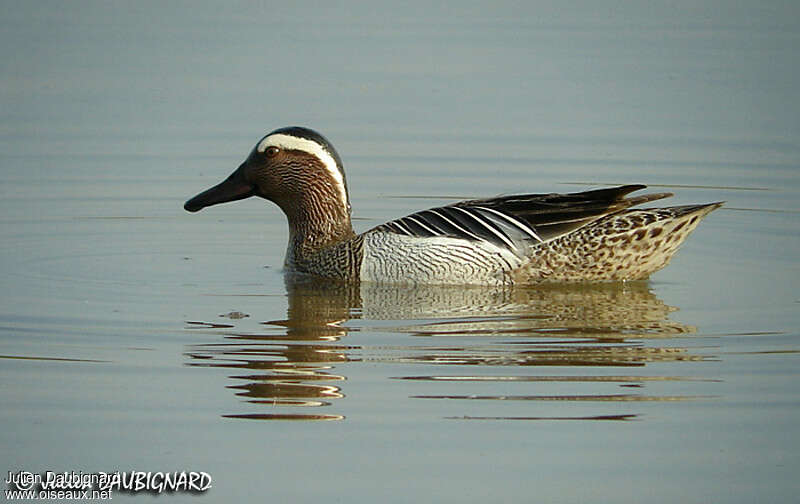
<point x="290" y="363"/>
<point x="524" y="239"/>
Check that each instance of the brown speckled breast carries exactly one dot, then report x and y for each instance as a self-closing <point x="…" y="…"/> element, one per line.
<point x="341" y="261"/>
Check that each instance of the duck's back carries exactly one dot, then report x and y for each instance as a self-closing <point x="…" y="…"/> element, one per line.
<point x="527" y="239"/>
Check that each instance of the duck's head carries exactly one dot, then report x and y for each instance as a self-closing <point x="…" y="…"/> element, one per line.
<point x="293" y="167"/>
<point x="299" y="170"/>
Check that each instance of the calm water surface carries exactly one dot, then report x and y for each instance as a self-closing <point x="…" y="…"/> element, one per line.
<point x="135" y="336"/>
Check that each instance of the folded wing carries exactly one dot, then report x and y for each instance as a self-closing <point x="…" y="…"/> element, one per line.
<point x="519" y="222"/>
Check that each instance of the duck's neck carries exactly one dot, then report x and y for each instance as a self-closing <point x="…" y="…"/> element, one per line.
<point x="316" y="222"/>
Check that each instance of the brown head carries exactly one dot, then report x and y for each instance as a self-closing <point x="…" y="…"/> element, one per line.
<point x="300" y="171"/>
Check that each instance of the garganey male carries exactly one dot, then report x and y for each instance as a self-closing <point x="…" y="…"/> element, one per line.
<point x="531" y="238"/>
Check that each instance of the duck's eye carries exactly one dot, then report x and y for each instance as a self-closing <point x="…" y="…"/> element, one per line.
<point x="271" y="151"/>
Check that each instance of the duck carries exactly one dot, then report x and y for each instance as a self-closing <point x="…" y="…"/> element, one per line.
<point x="589" y="236"/>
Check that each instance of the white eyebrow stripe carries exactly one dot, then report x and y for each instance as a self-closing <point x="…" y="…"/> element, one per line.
<point x="290" y="142"/>
<point x="488" y="226"/>
<point x="515" y="222"/>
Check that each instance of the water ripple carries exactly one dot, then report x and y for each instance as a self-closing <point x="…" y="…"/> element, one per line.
<point x="580" y="331"/>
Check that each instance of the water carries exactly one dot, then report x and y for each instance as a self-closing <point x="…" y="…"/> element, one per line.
<point x="136" y="336"/>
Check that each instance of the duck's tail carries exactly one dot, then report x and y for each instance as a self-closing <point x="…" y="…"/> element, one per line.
<point x="629" y="245"/>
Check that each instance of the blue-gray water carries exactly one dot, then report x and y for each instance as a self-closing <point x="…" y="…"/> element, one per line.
<point x="136" y="336"/>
